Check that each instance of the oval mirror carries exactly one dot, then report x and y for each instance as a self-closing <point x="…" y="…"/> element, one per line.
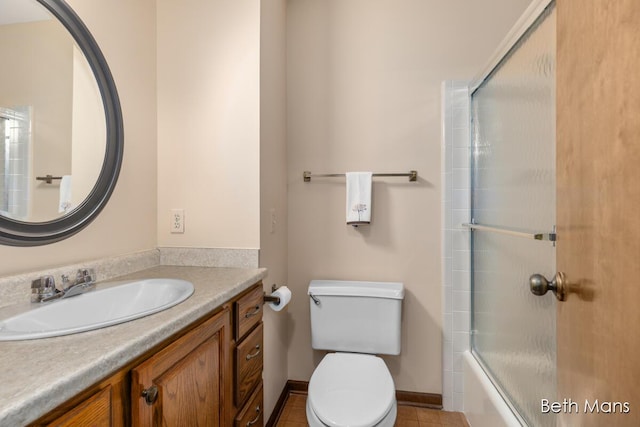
<point x="61" y="135"/>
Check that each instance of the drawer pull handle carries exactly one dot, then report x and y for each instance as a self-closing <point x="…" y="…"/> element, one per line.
<point x="150" y="394"/>
<point x="255" y="311"/>
<point x="251" y="356"/>
<point x="255" y="420"/>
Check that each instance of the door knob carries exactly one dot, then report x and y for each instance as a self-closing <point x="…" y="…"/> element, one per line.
<point x="539" y="285"/>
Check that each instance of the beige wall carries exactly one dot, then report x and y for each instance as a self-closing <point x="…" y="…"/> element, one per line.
<point x="37" y="71"/>
<point x="88" y="129"/>
<point x="127" y="224"/>
<point x="363" y="93"/>
<point x="208" y="122"/>
<point x="273" y="190"/>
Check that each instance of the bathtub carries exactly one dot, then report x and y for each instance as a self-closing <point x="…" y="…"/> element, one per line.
<point x="483" y="405"/>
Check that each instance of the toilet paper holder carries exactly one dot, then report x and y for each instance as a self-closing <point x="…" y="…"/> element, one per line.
<point x="270" y="298"/>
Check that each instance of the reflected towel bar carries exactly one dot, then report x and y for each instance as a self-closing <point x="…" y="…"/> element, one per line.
<point x="306" y="175"/>
<point x="551" y="237"/>
<point x="48" y="179"/>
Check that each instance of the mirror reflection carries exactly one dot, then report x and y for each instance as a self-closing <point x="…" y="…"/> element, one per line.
<point x="52" y="122"/>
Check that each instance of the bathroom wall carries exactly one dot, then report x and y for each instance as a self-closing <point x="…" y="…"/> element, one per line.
<point x="88" y="130"/>
<point x="273" y="190"/>
<point x="221" y="141"/>
<point x="127" y="224"/>
<point x="35" y="54"/>
<point x="209" y="122"/>
<point x="363" y="93"/>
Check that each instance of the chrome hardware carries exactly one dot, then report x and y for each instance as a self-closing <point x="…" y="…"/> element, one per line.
<point x="43" y="288"/>
<point x="315" y="299"/>
<point x="255" y="420"/>
<point x="306" y="175"/>
<point x="150" y="394"/>
<point x="539" y="285"/>
<point x="551" y="237"/>
<point x="47" y="178"/>
<point x="85" y="280"/>
<point x="251" y="356"/>
<point x="255" y="311"/>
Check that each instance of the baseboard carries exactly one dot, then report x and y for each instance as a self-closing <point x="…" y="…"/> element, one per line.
<point x="420" y="400"/>
<point x="404" y="398"/>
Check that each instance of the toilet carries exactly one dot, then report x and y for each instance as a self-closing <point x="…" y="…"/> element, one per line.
<point x="352" y="386"/>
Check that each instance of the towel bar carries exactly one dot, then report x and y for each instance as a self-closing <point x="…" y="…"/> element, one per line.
<point x="551" y="237"/>
<point x="306" y="175"/>
<point x="48" y="178"/>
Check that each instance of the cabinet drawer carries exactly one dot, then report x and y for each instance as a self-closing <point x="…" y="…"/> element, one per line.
<point x="253" y="412"/>
<point x="248" y="312"/>
<point x="248" y="365"/>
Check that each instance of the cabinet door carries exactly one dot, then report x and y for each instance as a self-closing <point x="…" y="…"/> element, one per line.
<point x="95" y="411"/>
<point x="187" y="382"/>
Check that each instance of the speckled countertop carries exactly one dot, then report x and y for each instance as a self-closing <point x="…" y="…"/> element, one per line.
<point x="38" y="375"/>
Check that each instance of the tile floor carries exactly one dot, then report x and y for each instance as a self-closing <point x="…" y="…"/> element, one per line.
<point x="294" y="415"/>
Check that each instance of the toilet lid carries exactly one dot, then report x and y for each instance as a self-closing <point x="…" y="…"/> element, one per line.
<point x="353" y="390"/>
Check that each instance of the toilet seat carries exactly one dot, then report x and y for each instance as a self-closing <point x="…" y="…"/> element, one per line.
<point x="348" y="389"/>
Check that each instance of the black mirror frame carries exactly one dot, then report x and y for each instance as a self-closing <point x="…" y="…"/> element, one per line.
<point x="21" y="233"/>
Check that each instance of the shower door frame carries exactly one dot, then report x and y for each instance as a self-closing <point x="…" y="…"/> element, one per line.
<point x="522" y="25"/>
<point x="520" y="28"/>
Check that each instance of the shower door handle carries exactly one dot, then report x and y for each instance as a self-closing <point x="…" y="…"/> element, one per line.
<point x="539" y="285"/>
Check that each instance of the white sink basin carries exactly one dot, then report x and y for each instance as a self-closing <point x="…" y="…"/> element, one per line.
<point x="95" y="309"/>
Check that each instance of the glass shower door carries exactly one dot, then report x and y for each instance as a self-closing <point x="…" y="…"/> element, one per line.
<point x="513" y="188"/>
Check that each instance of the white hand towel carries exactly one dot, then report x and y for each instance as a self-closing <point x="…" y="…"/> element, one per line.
<point x="358" y="198"/>
<point x="65" y="194"/>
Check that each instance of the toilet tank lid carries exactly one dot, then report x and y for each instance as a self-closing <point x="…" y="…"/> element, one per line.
<point x="390" y="290"/>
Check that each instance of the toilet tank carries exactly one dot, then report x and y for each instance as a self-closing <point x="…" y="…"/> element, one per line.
<point x="358" y="317"/>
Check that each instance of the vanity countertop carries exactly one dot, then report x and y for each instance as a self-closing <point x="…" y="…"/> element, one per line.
<point x="39" y="375"/>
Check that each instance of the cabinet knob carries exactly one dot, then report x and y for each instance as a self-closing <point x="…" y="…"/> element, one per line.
<point x="150" y="394"/>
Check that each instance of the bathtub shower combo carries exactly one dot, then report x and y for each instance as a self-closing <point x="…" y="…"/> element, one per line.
<point x="499" y="211"/>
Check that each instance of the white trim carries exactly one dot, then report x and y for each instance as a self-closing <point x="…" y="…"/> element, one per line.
<point x="483" y="404"/>
<point x="521" y="26"/>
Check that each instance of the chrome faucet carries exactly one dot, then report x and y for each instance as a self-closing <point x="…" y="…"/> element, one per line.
<point x="44" y="289"/>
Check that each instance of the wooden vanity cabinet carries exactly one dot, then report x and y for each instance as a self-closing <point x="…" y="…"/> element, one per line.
<point x="207" y="375"/>
<point x="188" y="382"/>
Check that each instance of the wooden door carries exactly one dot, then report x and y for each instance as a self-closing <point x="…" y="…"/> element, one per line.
<point x="598" y="202"/>
<point x="191" y="378"/>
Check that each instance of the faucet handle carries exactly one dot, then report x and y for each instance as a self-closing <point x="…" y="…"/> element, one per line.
<point x="44" y="282"/>
<point x="86" y="275"/>
<point x="43" y="287"/>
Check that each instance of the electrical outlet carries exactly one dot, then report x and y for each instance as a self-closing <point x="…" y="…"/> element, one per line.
<point x="177" y="221"/>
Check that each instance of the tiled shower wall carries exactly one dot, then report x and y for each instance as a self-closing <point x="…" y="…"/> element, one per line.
<point x="15" y="136"/>
<point x="456" y="280"/>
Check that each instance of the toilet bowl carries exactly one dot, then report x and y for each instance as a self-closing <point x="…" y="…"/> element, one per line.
<point x="354" y="390"/>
